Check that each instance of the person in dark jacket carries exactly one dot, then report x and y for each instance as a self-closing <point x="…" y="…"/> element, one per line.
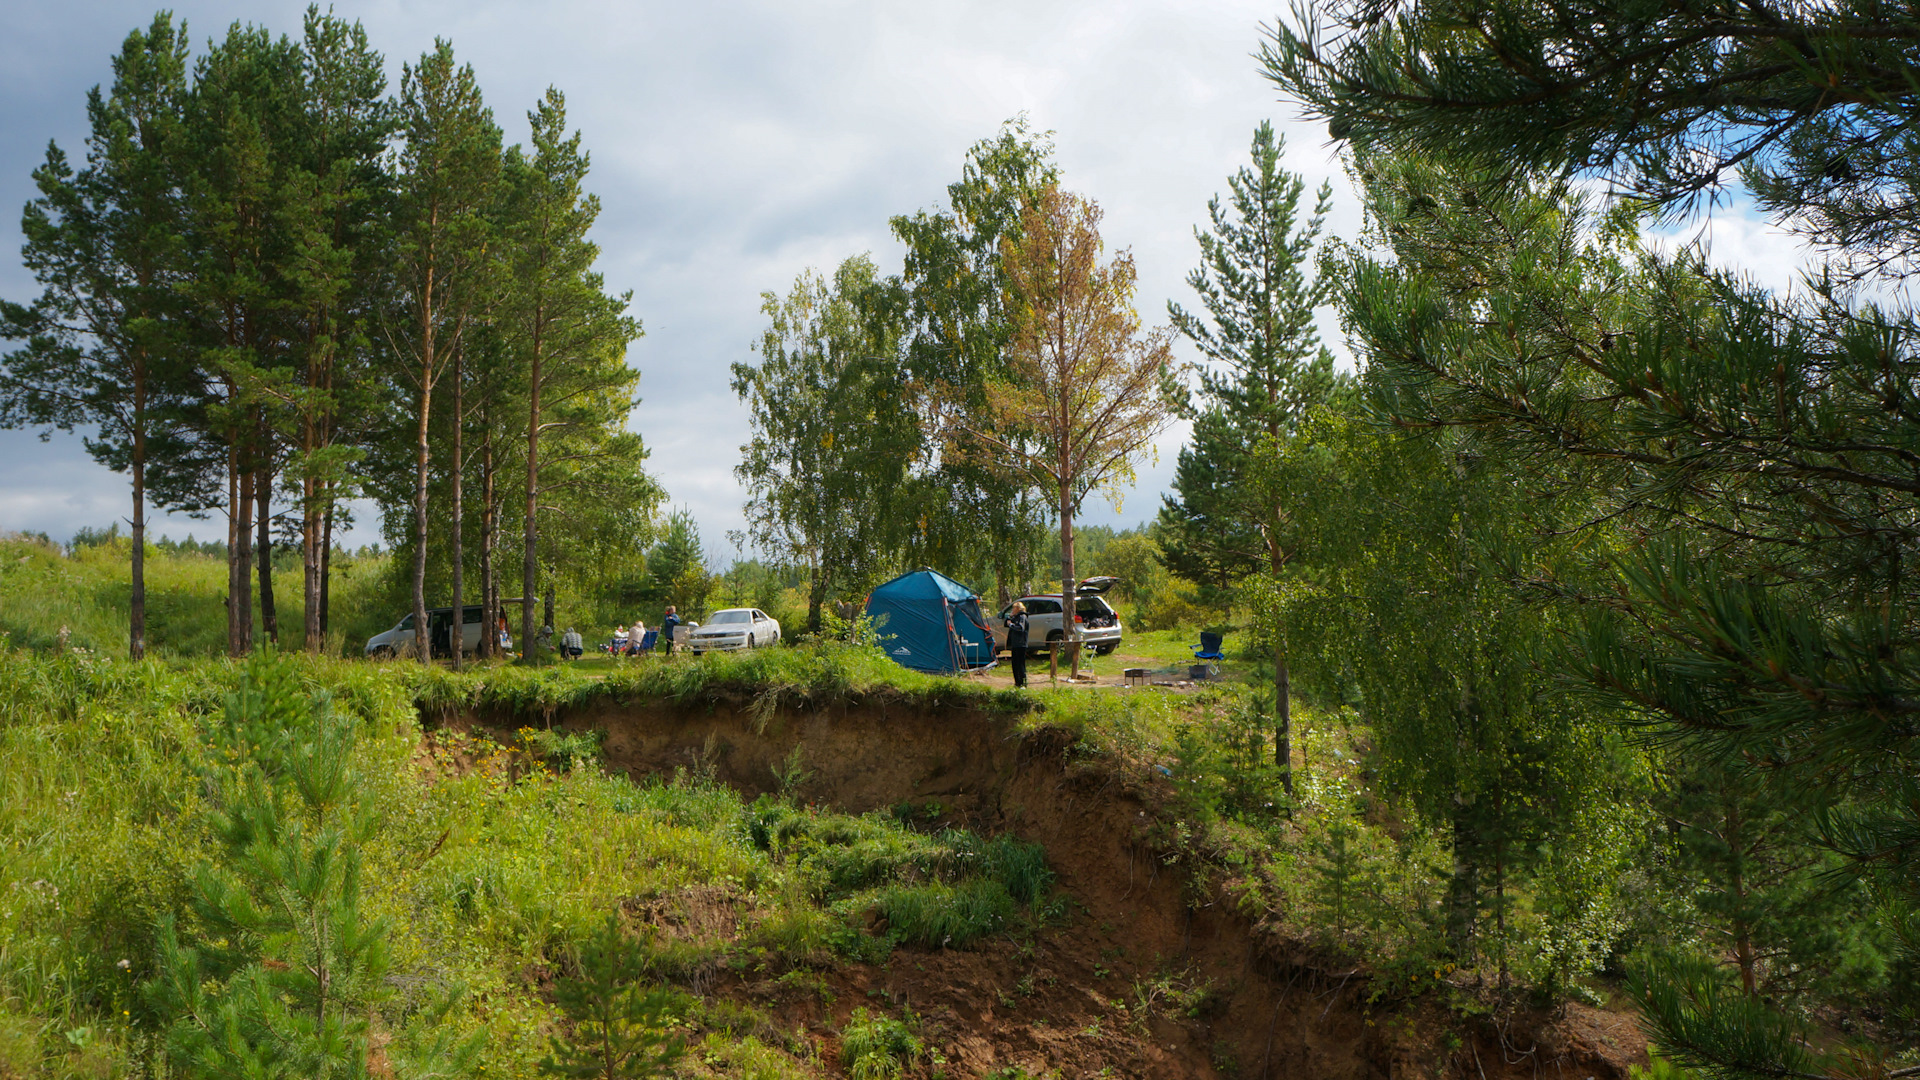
<point x="1017" y="642"/>
<point x="667" y="627"/>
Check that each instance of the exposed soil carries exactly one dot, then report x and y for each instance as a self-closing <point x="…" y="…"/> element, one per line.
<point x="1153" y="975"/>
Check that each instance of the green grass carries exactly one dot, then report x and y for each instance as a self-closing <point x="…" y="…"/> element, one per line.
<point x="483" y="873"/>
<point x="877" y="1047"/>
<point x="44" y="590"/>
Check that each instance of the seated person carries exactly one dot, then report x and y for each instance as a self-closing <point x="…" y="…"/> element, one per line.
<point x="619" y="644"/>
<point x="570" y="645"/>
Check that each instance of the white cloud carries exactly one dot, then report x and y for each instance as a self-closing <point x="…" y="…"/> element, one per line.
<point x="738" y="143"/>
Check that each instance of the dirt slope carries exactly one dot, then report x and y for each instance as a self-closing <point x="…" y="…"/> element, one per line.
<point x="1153" y="976"/>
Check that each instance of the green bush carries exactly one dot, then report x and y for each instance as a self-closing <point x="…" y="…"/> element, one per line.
<point x="877" y="1047"/>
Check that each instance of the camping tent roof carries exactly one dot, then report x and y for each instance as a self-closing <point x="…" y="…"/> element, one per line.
<point x="925" y="585"/>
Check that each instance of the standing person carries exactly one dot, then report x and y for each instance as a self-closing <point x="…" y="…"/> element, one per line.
<point x="667" y="628"/>
<point x="1017" y="643"/>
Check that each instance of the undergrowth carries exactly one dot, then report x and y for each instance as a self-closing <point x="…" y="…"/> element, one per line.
<point x="494" y="860"/>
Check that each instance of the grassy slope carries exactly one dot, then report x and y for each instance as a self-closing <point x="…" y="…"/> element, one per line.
<point x="103" y="823"/>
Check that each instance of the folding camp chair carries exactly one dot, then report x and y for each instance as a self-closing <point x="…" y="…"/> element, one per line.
<point x="647" y="642"/>
<point x="1209" y="647"/>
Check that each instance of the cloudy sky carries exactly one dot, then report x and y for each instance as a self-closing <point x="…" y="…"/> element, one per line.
<point x="735" y="144"/>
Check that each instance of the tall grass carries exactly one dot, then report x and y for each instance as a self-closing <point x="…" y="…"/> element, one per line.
<point x="765" y="680"/>
<point x="44" y="590"/>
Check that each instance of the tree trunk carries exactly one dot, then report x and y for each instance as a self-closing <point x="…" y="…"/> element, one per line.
<point x="1069" y="583"/>
<point x="310" y="556"/>
<point x="137" y="602"/>
<point x="456" y="638"/>
<point x="423" y="641"/>
<point x="244" y="560"/>
<point x="489" y="593"/>
<point x="1744" y="954"/>
<point x="1463" y="891"/>
<point x="529" y="559"/>
<point x="326" y="563"/>
<point x="234" y="580"/>
<point x="263" y="518"/>
<point x="816" y="595"/>
<point x="1282" y="685"/>
<point x="312" y="488"/>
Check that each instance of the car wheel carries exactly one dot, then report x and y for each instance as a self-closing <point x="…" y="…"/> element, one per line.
<point x="1054" y="640"/>
<point x="1104" y="650"/>
<point x="384" y="652"/>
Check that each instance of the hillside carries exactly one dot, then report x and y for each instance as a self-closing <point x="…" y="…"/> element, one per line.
<point x="815" y="858"/>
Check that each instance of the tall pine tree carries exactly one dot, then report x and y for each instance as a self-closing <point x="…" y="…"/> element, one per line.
<point x="1267" y="369"/>
<point x="102" y="346"/>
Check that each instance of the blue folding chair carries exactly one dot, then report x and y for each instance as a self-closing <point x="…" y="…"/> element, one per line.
<point x="1209" y="647"/>
<point x="647" y="641"/>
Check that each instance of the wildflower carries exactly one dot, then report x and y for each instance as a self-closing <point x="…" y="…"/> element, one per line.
<point x="124" y="965"/>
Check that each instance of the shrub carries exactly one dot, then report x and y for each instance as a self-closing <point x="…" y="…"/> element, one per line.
<point x="877" y="1047"/>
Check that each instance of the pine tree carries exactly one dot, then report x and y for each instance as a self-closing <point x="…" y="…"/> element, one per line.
<point x="102" y="346"/>
<point x="339" y="200"/>
<point x="619" y="1027"/>
<point x="677" y="565"/>
<point x="571" y="336"/>
<point x="1269" y="370"/>
<point x="448" y="170"/>
<point x="1756" y="448"/>
<point x="278" y="974"/>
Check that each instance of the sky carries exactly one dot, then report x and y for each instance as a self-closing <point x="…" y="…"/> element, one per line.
<point x="734" y="145"/>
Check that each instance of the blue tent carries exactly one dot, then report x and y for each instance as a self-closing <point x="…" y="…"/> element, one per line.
<point x="930" y="622"/>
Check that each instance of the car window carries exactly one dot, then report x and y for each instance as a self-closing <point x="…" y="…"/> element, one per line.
<point x="472" y="614"/>
<point x="1043" y="607"/>
<point x="1092" y="605"/>
<point x="406" y="623"/>
<point x="736" y="616"/>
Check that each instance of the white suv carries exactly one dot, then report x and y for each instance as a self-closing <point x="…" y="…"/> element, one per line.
<point x="1100" y="628"/>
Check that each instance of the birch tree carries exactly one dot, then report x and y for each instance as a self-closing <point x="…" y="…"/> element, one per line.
<point x="1081" y="401"/>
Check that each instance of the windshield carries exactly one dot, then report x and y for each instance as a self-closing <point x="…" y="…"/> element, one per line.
<point x="720" y="617"/>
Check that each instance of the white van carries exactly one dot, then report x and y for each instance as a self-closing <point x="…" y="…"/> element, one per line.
<point x="389" y="643"/>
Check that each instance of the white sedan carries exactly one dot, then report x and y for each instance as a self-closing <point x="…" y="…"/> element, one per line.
<point x="734" y="628"/>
